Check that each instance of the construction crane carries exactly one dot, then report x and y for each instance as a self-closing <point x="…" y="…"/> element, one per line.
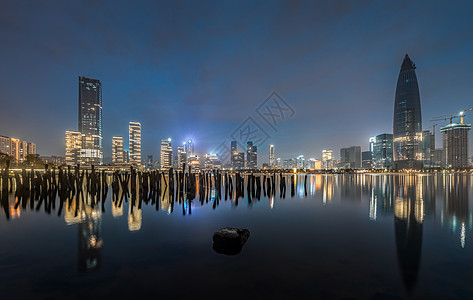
<point x="451" y="116"/>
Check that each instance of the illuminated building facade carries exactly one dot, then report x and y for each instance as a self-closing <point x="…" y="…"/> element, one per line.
<point x="181" y="157"/>
<point x="251" y="155"/>
<point x="428" y="149"/>
<point x="272" y="162"/>
<point x="327" y="159"/>
<point x="135" y="143"/>
<point x="189" y="148"/>
<point x="455" y="145"/>
<point x="383" y="151"/>
<point x="16" y="148"/>
<point x="238" y="160"/>
<point x="166" y="154"/>
<point x="366" y="159"/>
<point x="300" y="162"/>
<point x="73" y="147"/>
<point x="90" y="120"/>
<point x="407" y="125"/>
<point x="117" y="150"/>
<point x="233" y="151"/>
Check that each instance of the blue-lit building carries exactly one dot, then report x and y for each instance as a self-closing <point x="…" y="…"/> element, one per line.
<point x="383" y="151"/>
<point x="407" y="125"/>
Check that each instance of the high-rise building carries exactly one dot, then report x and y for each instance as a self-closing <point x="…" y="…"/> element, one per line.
<point x="4" y="145"/>
<point x="117" y="150"/>
<point x="428" y="148"/>
<point x="367" y="159"/>
<point x="189" y="148"/>
<point x="383" y="151"/>
<point x="149" y="162"/>
<point x="31" y="148"/>
<point x="73" y="147"/>
<point x="350" y="158"/>
<point x="290" y="163"/>
<point x="251" y="155"/>
<point x="407" y="125"/>
<point x="166" y="154"/>
<point x="135" y="143"/>
<point x="439" y="158"/>
<point x="16" y="148"/>
<point x="300" y="162"/>
<point x="181" y="156"/>
<point x="233" y="151"/>
<point x="455" y="145"/>
<point x="90" y="120"/>
<point x="327" y="159"/>
<point x="238" y="159"/>
<point x="126" y="156"/>
<point x="271" y="156"/>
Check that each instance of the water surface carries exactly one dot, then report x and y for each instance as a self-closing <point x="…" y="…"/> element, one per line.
<point x="340" y="236"/>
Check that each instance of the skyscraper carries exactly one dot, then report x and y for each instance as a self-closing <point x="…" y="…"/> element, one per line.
<point x="135" y="143"/>
<point x="350" y="158"/>
<point x="189" y="148"/>
<point x="73" y="147"/>
<point x="271" y="156"/>
<point x="383" y="151"/>
<point x="233" y="151"/>
<point x="238" y="159"/>
<point x="407" y="125"/>
<point x="455" y="145"/>
<point x="181" y="157"/>
<point x="90" y="120"/>
<point x="117" y="150"/>
<point x="166" y="154"/>
<point x="327" y="159"/>
<point x="428" y="148"/>
<point x="251" y="155"/>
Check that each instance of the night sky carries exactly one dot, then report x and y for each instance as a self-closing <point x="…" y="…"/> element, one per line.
<point x="198" y="69"/>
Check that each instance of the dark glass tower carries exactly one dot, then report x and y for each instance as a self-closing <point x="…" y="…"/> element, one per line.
<point x="407" y="127"/>
<point x="90" y="120"/>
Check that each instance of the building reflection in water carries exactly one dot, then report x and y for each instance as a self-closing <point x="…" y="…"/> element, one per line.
<point x="117" y="209"/>
<point x="350" y="187"/>
<point x="89" y="220"/>
<point x="134" y="217"/>
<point x="327" y="188"/>
<point x="456" y="209"/>
<point x="408" y="220"/>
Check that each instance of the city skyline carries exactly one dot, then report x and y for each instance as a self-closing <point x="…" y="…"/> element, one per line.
<point x="214" y="106"/>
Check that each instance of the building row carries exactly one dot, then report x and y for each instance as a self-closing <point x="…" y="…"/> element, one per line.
<point x="16" y="148"/>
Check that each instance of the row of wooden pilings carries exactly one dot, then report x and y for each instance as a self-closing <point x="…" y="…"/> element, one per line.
<point x="33" y="188"/>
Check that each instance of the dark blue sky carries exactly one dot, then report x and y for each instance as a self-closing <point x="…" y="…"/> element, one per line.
<point x="199" y="69"/>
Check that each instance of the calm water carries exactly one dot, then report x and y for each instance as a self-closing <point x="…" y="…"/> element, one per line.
<point x="346" y="236"/>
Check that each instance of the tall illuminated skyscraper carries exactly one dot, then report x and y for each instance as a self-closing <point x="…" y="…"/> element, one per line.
<point x="90" y="120"/>
<point x="327" y="159"/>
<point x="189" y="148"/>
<point x="181" y="157"/>
<point x="271" y="156"/>
<point x="383" y="151"/>
<point x="117" y="150"/>
<point x="166" y="154"/>
<point x="407" y="125"/>
<point x="73" y="147"/>
<point x="251" y="155"/>
<point x="135" y="143"/>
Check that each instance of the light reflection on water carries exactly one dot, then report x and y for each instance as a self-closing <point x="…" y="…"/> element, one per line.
<point x="427" y="218"/>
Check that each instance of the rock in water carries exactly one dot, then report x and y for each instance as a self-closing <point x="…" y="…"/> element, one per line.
<point x="229" y="240"/>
